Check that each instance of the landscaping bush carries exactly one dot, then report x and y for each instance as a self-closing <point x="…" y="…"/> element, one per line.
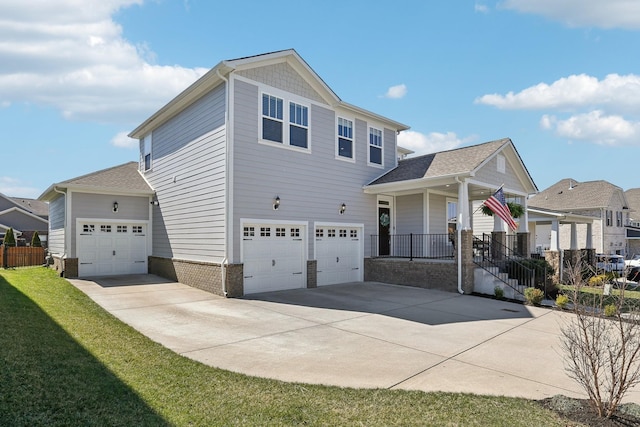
<point x="35" y="240"/>
<point x="610" y="310"/>
<point x="562" y="301"/>
<point x="9" y="238"/>
<point x="536" y="273"/>
<point x="498" y="292"/>
<point x="533" y="296"/>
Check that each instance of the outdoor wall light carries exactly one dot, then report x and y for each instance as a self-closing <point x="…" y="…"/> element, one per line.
<point x="343" y="208"/>
<point x="276" y="203"/>
<point x="115" y="206"/>
<point x="154" y="203"/>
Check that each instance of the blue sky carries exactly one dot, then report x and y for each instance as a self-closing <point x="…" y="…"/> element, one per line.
<point x="561" y="78"/>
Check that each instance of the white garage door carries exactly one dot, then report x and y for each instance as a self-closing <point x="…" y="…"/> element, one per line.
<point x="105" y="249"/>
<point x="338" y="252"/>
<point x="273" y="257"/>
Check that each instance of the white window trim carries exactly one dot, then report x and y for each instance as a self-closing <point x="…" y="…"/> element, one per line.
<point x="149" y="138"/>
<point x="351" y="159"/>
<point x="369" y="145"/>
<point x="287" y="98"/>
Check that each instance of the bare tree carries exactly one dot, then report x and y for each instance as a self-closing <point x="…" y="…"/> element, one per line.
<point x="602" y="343"/>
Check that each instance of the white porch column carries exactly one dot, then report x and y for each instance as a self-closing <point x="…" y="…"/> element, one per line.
<point x="555" y="236"/>
<point x="574" y="237"/>
<point x="464" y="220"/>
<point x="589" y="236"/>
<point x="499" y="224"/>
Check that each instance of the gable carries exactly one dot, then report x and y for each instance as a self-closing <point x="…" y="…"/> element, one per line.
<point x="21" y="220"/>
<point x="507" y="174"/>
<point x="282" y="76"/>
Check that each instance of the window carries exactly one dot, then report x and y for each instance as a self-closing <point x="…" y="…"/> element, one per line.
<point x="345" y="138"/>
<point x="281" y="232"/>
<point x="353" y="234"/>
<point x="275" y="115"/>
<point x="299" y="125"/>
<point x="146" y="147"/>
<point x="502" y="164"/>
<point x="136" y="229"/>
<point x="272" y="117"/>
<point x="343" y="233"/>
<point x="618" y="219"/>
<point x="609" y="218"/>
<point x="88" y="228"/>
<point x="121" y="229"/>
<point x="295" y="232"/>
<point x="331" y="233"/>
<point x="105" y="228"/>
<point x="375" y="146"/>
<point x="249" y="231"/>
<point x="265" y="231"/>
<point x="319" y="232"/>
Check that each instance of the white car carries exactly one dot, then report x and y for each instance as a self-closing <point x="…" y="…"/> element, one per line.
<point x="633" y="262"/>
<point x="610" y="262"/>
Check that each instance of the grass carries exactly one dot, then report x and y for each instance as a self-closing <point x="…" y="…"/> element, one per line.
<point x="593" y="296"/>
<point x="65" y="361"/>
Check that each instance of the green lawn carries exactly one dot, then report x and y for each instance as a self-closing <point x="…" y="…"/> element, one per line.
<point x="64" y="361"/>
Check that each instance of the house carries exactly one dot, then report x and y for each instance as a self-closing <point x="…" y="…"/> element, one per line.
<point x="633" y="226"/>
<point x="258" y="177"/>
<point x="604" y="202"/>
<point x="99" y="223"/>
<point x="25" y="216"/>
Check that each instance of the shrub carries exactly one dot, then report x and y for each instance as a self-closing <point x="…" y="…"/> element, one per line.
<point x="498" y="292"/>
<point x="533" y="295"/>
<point x="35" y="240"/>
<point x="610" y="310"/>
<point x="598" y="280"/>
<point x="562" y="301"/>
<point x="9" y="238"/>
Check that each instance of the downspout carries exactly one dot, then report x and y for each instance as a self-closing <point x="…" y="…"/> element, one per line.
<point x="459" y="237"/>
<point x="64" y="253"/>
<point x="225" y="260"/>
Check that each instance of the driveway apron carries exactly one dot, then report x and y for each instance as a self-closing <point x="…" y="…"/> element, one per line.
<point x="371" y="335"/>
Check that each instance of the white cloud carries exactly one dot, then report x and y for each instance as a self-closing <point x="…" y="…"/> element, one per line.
<point x="430" y="143"/>
<point x="122" y="140"/>
<point x="482" y="8"/>
<point x="594" y="126"/>
<point x="70" y="55"/>
<point x="582" y="13"/>
<point x="620" y="93"/>
<point x="15" y="188"/>
<point x="396" y="92"/>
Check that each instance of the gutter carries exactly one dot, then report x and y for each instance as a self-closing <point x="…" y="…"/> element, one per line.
<point x="225" y="260"/>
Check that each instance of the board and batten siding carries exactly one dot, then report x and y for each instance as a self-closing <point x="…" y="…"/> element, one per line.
<point x="311" y="185"/>
<point x="409" y="214"/>
<point x="56" y="226"/>
<point x="489" y="173"/>
<point x="100" y="207"/>
<point x="188" y="175"/>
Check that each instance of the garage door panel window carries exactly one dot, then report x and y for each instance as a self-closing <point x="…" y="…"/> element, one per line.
<point x="121" y="229"/>
<point x="88" y="228"/>
<point x="105" y="229"/>
<point x="319" y="232"/>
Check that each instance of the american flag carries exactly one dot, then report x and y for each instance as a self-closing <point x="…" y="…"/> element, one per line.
<point x="499" y="207"/>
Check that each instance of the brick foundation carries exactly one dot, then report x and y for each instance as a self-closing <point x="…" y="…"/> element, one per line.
<point x="312" y="273"/>
<point x="427" y="274"/>
<point x="66" y="267"/>
<point x="201" y="275"/>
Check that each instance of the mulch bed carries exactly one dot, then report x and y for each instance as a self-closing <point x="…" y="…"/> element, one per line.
<point x="580" y="411"/>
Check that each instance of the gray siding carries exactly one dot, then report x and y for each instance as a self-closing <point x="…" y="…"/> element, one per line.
<point x="188" y="175"/>
<point x="437" y="214"/>
<point x="21" y="221"/>
<point x="409" y="218"/>
<point x="100" y="207"/>
<point x="311" y="186"/>
<point x="6" y="204"/>
<point x="489" y="173"/>
<point x="56" y="226"/>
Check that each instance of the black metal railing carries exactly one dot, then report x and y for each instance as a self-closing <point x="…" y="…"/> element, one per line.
<point x="427" y="246"/>
<point x="529" y="272"/>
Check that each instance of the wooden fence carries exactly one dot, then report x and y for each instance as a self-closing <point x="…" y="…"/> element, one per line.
<point x="21" y="256"/>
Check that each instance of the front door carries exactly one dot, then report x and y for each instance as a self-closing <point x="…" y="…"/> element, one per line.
<point x="384" y="231"/>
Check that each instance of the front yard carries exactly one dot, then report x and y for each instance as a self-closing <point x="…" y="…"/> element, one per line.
<point x="65" y="361"/>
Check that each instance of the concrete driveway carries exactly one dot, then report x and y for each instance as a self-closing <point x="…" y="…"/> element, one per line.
<point x="353" y="335"/>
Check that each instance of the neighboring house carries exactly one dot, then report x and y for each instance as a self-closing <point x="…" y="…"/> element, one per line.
<point x="25" y="217"/>
<point x="99" y="223"/>
<point x="633" y="226"/>
<point x="258" y="177"/>
<point x="600" y="200"/>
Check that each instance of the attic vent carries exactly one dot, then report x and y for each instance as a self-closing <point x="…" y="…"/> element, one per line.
<point x="502" y="165"/>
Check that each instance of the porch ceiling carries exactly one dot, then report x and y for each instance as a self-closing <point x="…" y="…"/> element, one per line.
<point x="448" y="186"/>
